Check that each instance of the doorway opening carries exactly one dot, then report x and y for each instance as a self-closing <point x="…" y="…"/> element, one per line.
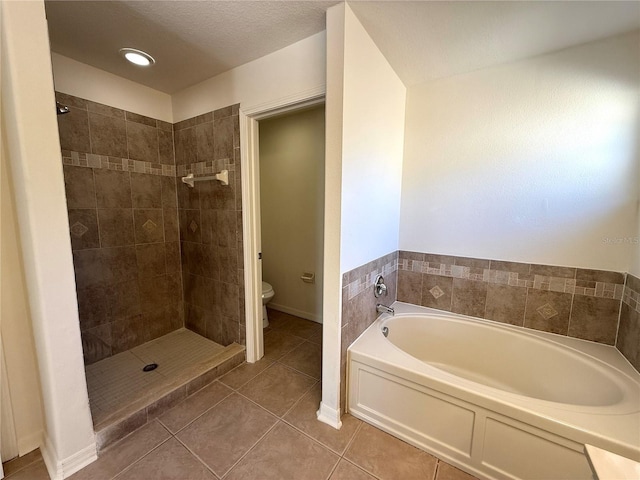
<point x="284" y="215"/>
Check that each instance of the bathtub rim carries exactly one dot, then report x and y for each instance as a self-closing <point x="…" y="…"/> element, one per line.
<point x="616" y="433"/>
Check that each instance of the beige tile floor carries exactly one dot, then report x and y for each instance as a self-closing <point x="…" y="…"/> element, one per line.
<point x="258" y="422"/>
<point x="115" y="382"/>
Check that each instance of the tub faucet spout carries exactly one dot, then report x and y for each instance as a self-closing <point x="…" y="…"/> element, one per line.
<point x="384" y="309"/>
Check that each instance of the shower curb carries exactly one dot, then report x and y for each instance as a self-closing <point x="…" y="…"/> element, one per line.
<point x="122" y="424"/>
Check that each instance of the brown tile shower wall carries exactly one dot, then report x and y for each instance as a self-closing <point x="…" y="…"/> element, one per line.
<point x="120" y="185"/>
<point x="211" y="226"/>
<point x="359" y="304"/>
<point x="568" y="301"/>
<point x="628" y="341"/>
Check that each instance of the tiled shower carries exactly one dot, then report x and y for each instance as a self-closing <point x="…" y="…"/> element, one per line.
<point x="151" y="255"/>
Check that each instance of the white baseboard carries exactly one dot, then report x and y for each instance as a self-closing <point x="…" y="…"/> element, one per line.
<point x="293" y="311"/>
<point x="330" y="416"/>
<point x="61" y="469"/>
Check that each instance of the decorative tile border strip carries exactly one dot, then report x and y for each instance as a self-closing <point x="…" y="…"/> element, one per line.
<point x="91" y="160"/>
<point x="502" y="277"/>
<point x="358" y="285"/>
<point x="630" y="296"/>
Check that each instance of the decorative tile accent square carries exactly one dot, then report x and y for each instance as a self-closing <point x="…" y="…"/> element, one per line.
<point x="78" y="229"/>
<point x="436" y="292"/>
<point x="546" y="311"/>
<point x="149" y="226"/>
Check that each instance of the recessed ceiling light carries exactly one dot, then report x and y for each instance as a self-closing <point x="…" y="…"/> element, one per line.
<point x="137" y="57"/>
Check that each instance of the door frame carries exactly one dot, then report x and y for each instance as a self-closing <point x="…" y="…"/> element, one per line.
<point x="250" y="168"/>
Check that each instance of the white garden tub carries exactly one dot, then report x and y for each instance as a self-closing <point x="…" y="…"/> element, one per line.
<point x="497" y="401"/>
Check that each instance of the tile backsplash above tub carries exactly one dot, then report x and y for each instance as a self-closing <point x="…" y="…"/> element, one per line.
<point x="628" y="341"/>
<point x="570" y="301"/>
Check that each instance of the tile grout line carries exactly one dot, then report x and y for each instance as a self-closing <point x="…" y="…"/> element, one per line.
<point x="250" y="449"/>
<point x="128" y="467"/>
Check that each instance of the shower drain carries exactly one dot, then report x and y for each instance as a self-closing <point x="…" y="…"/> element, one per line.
<point x="150" y="367"/>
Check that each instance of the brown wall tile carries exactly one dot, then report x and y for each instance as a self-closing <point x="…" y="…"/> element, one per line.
<point x="439" y="259"/>
<point x="171" y="228"/>
<point x="96" y="343"/>
<point x="166" y="154"/>
<point x="405" y="255"/>
<point x="223" y="138"/>
<point x="153" y="293"/>
<point x="151" y="260"/>
<point x="409" y="287"/>
<point x="79" y="187"/>
<point x="142" y="142"/>
<point x="102" y="109"/>
<point x="506" y="304"/>
<point x="172" y="257"/>
<point x="108" y="135"/>
<point x="93" y="306"/>
<point x="515" y="267"/>
<point x="553" y="271"/>
<point x="628" y="341"/>
<point x="124" y="298"/>
<point x="599" y="276"/>
<point x="134" y="117"/>
<point x="189" y="198"/>
<point x="116" y="226"/>
<point x="113" y="189"/>
<point x="204" y="142"/>
<point x="468" y="297"/>
<point x="633" y="283"/>
<point x="146" y="190"/>
<point x="548" y="311"/>
<point x="127" y="333"/>
<point x="594" y="319"/>
<point x="186" y="146"/>
<point x="169" y="192"/>
<point x="88" y="267"/>
<point x="119" y="264"/>
<point x="73" y="129"/>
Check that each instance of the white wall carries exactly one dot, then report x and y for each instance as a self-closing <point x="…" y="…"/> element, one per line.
<point x="292" y="209"/>
<point x="16" y="333"/>
<point x="33" y="148"/>
<point x="291" y="71"/>
<point x="533" y="161"/>
<point x="82" y="80"/>
<point x="365" y="106"/>
<point x="372" y="149"/>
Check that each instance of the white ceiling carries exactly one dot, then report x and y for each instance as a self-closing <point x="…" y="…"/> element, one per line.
<point x="190" y="40"/>
<point x="428" y="40"/>
<point x="423" y="40"/>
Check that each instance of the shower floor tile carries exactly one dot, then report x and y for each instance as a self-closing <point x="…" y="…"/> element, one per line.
<point x="117" y="381"/>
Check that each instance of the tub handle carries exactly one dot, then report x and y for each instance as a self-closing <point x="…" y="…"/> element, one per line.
<point x="379" y="288"/>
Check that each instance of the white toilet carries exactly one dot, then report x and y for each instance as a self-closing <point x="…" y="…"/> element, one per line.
<point x="267" y="295"/>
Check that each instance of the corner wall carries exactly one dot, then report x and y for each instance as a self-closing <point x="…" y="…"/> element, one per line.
<point x="372" y="149"/>
<point x="364" y="149"/>
<point x="16" y="333"/>
<point x="536" y="160"/>
<point x="34" y="154"/>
